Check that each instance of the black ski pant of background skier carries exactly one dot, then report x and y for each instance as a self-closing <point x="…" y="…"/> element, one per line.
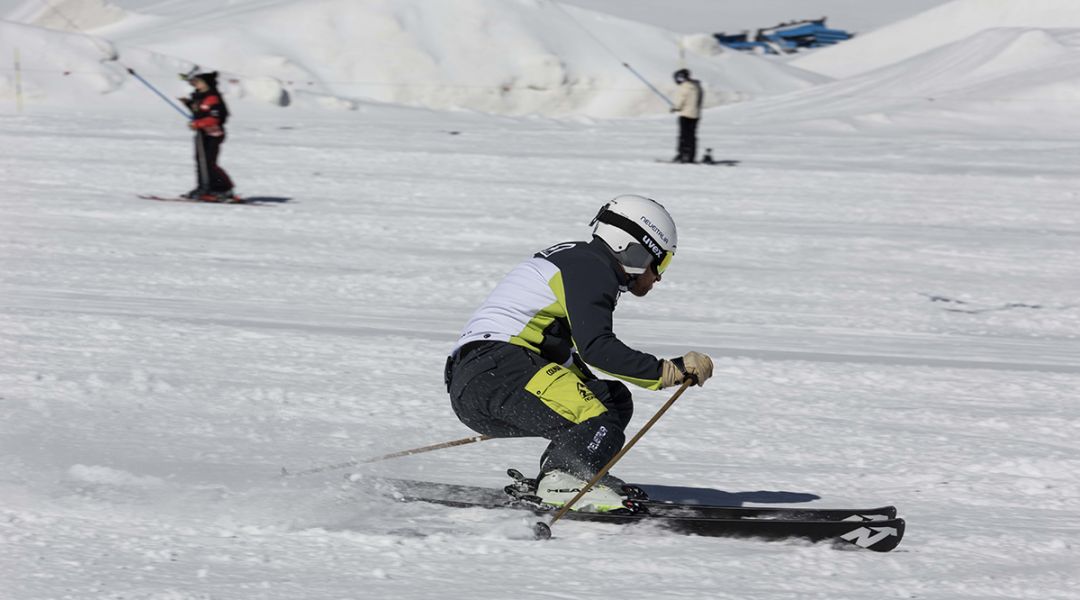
<point x="503" y="390"/>
<point x="687" y="140"/>
<point x="211" y="177"/>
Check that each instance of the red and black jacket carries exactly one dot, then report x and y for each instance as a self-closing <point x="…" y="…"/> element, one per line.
<point x="208" y="112"/>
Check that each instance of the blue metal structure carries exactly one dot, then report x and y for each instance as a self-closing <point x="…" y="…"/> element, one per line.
<point x="785" y="38"/>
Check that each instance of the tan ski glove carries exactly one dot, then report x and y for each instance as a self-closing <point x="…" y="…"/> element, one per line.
<point x="694" y="364"/>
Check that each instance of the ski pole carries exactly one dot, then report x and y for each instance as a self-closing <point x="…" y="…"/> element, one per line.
<point x="410" y="452"/>
<point x="156" y="91"/>
<point x="557" y="5"/>
<point x="651" y="86"/>
<point x="204" y="169"/>
<point x="543" y="530"/>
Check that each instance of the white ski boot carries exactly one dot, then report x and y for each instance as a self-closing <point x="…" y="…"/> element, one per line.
<point x="556" y="488"/>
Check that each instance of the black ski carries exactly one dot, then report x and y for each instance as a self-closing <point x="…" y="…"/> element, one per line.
<point x="721" y="163"/>
<point x="880" y="535"/>
<point x="229" y="200"/>
<point x="685" y="509"/>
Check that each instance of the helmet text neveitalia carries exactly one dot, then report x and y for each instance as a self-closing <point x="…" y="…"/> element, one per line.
<point x="659" y="232"/>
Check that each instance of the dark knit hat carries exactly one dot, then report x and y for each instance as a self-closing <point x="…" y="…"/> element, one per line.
<point x="209" y="77"/>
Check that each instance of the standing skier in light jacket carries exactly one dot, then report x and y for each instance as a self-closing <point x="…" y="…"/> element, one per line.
<point x="688" y="101"/>
<point x="520" y="367"/>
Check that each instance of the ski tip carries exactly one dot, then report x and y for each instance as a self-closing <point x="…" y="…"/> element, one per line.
<point x="895" y="540"/>
<point x="885" y="535"/>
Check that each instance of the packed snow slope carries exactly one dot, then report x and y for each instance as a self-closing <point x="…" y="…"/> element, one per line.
<point x="894" y="320"/>
<point x="501" y="56"/>
<point x="939" y="26"/>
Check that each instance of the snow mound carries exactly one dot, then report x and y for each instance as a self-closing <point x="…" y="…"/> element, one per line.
<point x="498" y="56"/>
<point x="68" y="15"/>
<point x="55" y="63"/>
<point x="935" y="28"/>
<point x="992" y="78"/>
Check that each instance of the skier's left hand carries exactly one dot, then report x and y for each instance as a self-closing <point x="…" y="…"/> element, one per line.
<point x="695" y="365"/>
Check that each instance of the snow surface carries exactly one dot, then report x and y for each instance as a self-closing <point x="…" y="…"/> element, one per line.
<point x="891" y="290"/>
<point x="997" y="79"/>
<point x="936" y="27"/>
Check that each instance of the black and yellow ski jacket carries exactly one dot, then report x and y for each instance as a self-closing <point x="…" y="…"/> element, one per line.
<point x="559" y="303"/>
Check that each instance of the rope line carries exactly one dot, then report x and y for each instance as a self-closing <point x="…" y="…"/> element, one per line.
<point x="563" y="10"/>
<point x="101" y="44"/>
<point x="398" y="85"/>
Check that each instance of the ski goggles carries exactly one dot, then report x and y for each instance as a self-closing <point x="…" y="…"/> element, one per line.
<point x="646" y="252"/>
<point x="665" y="262"/>
<point x="638" y="255"/>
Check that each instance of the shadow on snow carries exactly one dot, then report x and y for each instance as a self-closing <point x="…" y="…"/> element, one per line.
<point x="692" y="495"/>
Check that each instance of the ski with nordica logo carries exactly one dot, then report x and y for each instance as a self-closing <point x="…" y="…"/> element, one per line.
<point x="839" y="526"/>
<point x="660" y="507"/>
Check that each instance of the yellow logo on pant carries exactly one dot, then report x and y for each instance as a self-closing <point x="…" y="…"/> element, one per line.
<point x="562" y="391"/>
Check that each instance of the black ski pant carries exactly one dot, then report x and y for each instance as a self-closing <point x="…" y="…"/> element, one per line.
<point x="503" y="390"/>
<point x="687" y="151"/>
<point x="210" y="176"/>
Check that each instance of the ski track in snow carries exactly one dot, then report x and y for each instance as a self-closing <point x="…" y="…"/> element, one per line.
<point x="161" y="361"/>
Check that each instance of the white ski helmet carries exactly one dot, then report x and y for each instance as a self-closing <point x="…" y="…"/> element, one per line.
<point x="639" y="231"/>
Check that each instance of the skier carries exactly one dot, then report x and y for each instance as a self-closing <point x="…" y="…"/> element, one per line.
<point x="209" y="114"/>
<point x="520" y="367"/>
<point x="688" y="100"/>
